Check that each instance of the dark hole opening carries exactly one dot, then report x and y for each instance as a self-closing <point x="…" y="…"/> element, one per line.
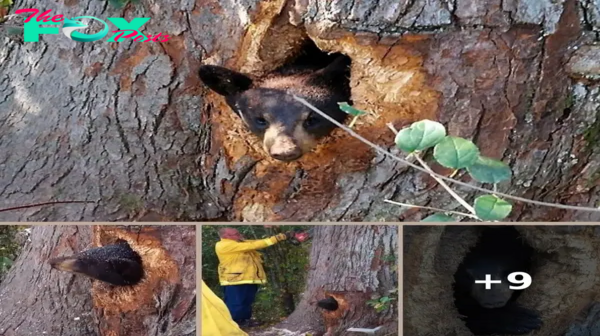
<point x="309" y="57"/>
<point x="499" y="252"/>
<point x="325" y="84"/>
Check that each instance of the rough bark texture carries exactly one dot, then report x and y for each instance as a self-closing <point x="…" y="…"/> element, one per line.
<point x="349" y="263"/>
<point x="564" y="287"/>
<point x="129" y="125"/>
<point x="36" y="300"/>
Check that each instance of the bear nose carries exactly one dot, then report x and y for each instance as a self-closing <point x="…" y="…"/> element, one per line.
<point x="285" y="149"/>
<point x="289" y="156"/>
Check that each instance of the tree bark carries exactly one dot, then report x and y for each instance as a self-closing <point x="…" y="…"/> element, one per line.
<point x="37" y="300"/>
<point x="130" y="126"/>
<point x="351" y="264"/>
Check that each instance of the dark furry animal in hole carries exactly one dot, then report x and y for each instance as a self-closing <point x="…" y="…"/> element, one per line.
<point x="498" y="253"/>
<point x="287" y="128"/>
<point x="117" y="264"/>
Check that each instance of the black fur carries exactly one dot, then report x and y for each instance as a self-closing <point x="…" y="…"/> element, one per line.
<point x="116" y="264"/>
<point x="328" y="304"/>
<point x="268" y="101"/>
<point x="224" y="81"/>
<point x="500" y="249"/>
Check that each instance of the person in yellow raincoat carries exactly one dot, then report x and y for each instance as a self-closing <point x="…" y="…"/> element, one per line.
<point x="216" y="319"/>
<point x="241" y="271"/>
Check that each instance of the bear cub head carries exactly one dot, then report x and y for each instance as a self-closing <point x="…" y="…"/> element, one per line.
<point x="288" y="129"/>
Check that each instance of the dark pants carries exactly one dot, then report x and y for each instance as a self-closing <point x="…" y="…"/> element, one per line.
<point x="239" y="300"/>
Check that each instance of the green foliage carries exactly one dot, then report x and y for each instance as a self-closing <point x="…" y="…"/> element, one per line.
<point x="458" y="153"/>
<point x="390" y="259"/>
<point x="4" y="7"/>
<point x="5" y="264"/>
<point x="420" y="136"/>
<point x="286" y="266"/>
<point x="488" y="170"/>
<point x="491" y="207"/>
<point x="382" y="303"/>
<point x="351" y="110"/>
<point x="455" y="152"/>
<point x="9" y="247"/>
<point x="438" y="218"/>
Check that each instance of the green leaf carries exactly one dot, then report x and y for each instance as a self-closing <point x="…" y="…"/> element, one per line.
<point x="491" y="207"/>
<point x="351" y="110"/>
<point x="488" y="170"/>
<point x="5" y="264"/>
<point x="6" y="261"/>
<point x="420" y="136"/>
<point x="455" y="152"/>
<point x="5" y="3"/>
<point x="438" y="218"/>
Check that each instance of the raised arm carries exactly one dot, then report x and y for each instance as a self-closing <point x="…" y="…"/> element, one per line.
<point x="250" y="245"/>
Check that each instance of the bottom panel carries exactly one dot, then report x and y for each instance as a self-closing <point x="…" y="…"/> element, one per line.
<point x="501" y="280"/>
<point x="98" y="280"/>
<point x="299" y="280"/>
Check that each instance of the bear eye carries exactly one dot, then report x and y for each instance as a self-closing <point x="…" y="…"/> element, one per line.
<point x="260" y="121"/>
<point x="311" y="121"/>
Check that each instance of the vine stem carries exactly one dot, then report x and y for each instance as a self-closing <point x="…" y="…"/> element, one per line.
<point x="434" y="209"/>
<point x="42" y="204"/>
<point x="440" y="181"/>
<point x="447" y="179"/>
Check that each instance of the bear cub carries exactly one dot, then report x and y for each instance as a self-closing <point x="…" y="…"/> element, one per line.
<point x="288" y="129"/>
<point x="499" y="252"/>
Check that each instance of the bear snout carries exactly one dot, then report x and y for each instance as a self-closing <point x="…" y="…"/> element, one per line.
<point x="287" y="142"/>
<point x="284" y="148"/>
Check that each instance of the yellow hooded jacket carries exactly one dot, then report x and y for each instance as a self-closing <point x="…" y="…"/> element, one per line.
<point x="240" y="263"/>
<point x="216" y="319"/>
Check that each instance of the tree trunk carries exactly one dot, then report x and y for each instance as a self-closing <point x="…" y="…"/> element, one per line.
<point x="130" y="126"/>
<point x="37" y="300"/>
<point x="350" y="264"/>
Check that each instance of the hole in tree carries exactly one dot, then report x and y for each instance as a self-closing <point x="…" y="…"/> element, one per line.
<point x="310" y="57"/>
<point x="499" y="252"/>
<point x="327" y="84"/>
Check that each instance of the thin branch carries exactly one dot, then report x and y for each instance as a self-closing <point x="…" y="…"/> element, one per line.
<point x="434" y="209"/>
<point x="410" y="164"/>
<point x="440" y="181"/>
<point x="448" y="189"/>
<point x="42" y="204"/>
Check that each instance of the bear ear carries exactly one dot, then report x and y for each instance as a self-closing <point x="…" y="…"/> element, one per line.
<point x="339" y="68"/>
<point x="224" y="81"/>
